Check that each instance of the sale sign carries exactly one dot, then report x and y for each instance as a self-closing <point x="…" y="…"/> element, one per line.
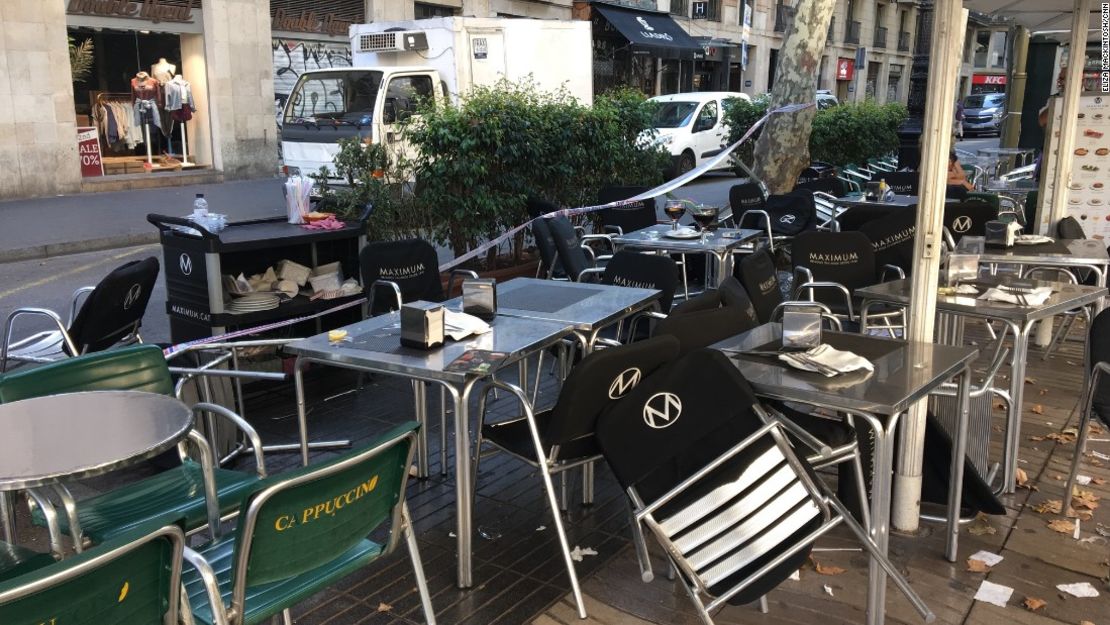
<point x="88" y="150"/>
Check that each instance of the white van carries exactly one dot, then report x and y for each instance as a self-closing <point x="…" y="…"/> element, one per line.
<point x="692" y="126"/>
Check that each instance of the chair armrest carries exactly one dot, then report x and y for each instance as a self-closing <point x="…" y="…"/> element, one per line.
<point x="458" y="272"/>
<point x="35" y="499"/>
<point x="947" y="234"/>
<point x="634" y="325"/>
<point x="599" y="237"/>
<point x="826" y="196"/>
<point x="75" y="301"/>
<point x="756" y="212"/>
<point x="617" y="230"/>
<point x="591" y="271"/>
<point x="211" y="585"/>
<point x="384" y="283"/>
<point x="603" y="342"/>
<point x="41" y="312"/>
<point x="242" y="425"/>
<point x="826" y="314"/>
<point x="885" y="269"/>
<point x="835" y="286"/>
<point x="802" y="274"/>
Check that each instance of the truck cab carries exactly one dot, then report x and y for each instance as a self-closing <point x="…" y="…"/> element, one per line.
<point x="328" y="105"/>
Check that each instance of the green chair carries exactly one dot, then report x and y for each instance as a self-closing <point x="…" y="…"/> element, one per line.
<point x="177" y="492"/>
<point x="131" y="580"/>
<point x="303" y="530"/>
<point x="16" y="560"/>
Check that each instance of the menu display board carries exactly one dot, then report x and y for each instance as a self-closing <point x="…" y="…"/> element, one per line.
<point x="1088" y="197"/>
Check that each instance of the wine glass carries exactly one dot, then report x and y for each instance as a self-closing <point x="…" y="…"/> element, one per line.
<point x="704" y="216"/>
<point x="674" y="209"/>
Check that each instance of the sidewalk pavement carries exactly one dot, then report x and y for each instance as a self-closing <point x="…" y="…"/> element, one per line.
<point x="70" y="224"/>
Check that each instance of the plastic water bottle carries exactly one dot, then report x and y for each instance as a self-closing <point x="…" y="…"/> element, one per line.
<point x="200" y="207"/>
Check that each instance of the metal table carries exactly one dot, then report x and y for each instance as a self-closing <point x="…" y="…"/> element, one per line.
<point x="1024" y="155"/>
<point x="79" y="435"/>
<point x="904" y="374"/>
<point x="1067" y="253"/>
<point x="1020" y="319"/>
<point x="899" y="201"/>
<point x="373" y="346"/>
<point x="720" y="243"/>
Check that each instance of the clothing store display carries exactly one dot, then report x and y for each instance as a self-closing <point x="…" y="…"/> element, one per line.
<point x="179" y="99"/>
<point x="144" y="87"/>
<point x="146" y="112"/>
<point x="163" y="71"/>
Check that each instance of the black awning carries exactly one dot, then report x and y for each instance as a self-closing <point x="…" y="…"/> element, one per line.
<point x="653" y="33"/>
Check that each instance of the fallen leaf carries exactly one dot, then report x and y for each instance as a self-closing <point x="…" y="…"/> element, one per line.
<point x="1029" y="380"/>
<point x="999" y="405"/>
<point x="1084" y="499"/>
<point x="1037" y="409"/>
<point x="1052" y="506"/>
<point x="1098" y="481"/>
<point x="384" y="607"/>
<point x="1021" y="477"/>
<point x="1033" y="604"/>
<point x="1086" y="623"/>
<point x="1094" y="428"/>
<point x="1063" y="526"/>
<point x="981" y="526"/>
<point x="824" y="569"/>
<point x="977" y="566"/>
<point x="1043" y="391"/>
<point x="1036" y="439"/>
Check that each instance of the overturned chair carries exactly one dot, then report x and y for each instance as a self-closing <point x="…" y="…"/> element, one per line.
<point x="719" y="486"/>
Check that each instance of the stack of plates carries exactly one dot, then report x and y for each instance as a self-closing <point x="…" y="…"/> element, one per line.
<point x="253" y="302"/>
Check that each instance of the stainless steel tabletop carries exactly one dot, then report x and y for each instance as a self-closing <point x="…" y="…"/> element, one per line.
<point x="718" y="241"/>
<point x="1079" y="252"/>
<point x="1010" y="186"/>
<point x="899" y="201"/>
<point x="905" y="373"/>
<point x="79" y="435"/>
<point x="374" y="344"/>
<point x="1064" y="297"/>
<point x="604" y="304"/>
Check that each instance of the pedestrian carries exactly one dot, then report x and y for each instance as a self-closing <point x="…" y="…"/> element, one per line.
<point x="959" y="119"/>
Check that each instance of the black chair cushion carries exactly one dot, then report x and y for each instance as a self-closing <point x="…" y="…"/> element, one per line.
<point x="571" y="255"/>
<point x="1070" y="228"/>
<point x="734" y="296"/>
<point x="628" y="218"/>
<point x="514" y="437"/>
<point x="1099" y="346"/>
<point x="412" y="263"/>
<point x="760" y="278"/>
<point x="902" y="182"/>
<point x="936" y="470"/>
<point x="115" y="306"/>
<point x="709" y="300"/>
<point x="844" y="257"/>
<point x="705" y="327"/>
<point x="643" y="271"/>
<point x="968" y="218"/>
<point x="545" y="244"/>
<point x="791" y="213"/>
<point x="744" y="197"/>
<point x="892" y="238"/>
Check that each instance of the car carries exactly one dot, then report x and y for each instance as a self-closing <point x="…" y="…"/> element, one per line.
<point x="983" y="113"/>
<point x="826" y="100"/>
<point x="692" y="126"/>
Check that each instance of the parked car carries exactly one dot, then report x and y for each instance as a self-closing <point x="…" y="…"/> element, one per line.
<point x="983" y="113"/>
<point x="692" y="126"/>
<point x="826" y="100"/>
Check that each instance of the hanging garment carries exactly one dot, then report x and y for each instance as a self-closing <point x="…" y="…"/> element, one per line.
<point x="143" y="87"/>
<point x="146" y="112"/>
<point x="179" y="93"/>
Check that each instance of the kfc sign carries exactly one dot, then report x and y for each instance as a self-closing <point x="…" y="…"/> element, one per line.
<point x="845" y="69"/>
<point x="988" y="79"/>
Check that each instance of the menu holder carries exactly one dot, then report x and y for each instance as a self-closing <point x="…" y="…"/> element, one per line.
<point x="480" y="298"/>
<point x="478" y="361"/>
<point x="422" y="325"/>
<point x="801" y="328"/>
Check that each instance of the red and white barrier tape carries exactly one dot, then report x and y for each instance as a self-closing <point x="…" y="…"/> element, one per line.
<point x="567" y="212"/>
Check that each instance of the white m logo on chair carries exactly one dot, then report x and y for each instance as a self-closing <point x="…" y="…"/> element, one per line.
<point x="626" y="381"/>
<point x="186" y="264"/>
<point x="961" y="224"/>
<point x="132" y="296"/>
<point x="662" y="410"/>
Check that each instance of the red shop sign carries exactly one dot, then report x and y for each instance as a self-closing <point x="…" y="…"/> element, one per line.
<point x="845" y="69"/>
<point x="988" y="79"/>
<point x="88" y="149"/>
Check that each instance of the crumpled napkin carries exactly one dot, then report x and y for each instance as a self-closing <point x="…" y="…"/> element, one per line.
<point x="1021" y="297"/>
<point x="459" y="325"/>
<point x="1032" y="239"/>
<point x="827" y="360"/>
<point x="330" y="223"/>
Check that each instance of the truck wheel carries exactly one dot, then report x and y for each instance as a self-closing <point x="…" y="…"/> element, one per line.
<point x="686" y="162"/>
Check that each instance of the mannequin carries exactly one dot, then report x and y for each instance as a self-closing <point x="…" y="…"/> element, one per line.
<point x="179" y="104"/>
<point x="163" y="71"/>
<point x="145" y="92"/>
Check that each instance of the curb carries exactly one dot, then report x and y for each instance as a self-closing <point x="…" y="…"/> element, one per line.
<point x="76" y="247"/>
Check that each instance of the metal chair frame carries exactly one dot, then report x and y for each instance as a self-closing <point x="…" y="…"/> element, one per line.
<point x="803" y="278"/>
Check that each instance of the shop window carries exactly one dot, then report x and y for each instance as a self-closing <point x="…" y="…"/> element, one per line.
<point x="425" y="11"/>
<point x="998" y="49"/>
<point x="982" y="47"/>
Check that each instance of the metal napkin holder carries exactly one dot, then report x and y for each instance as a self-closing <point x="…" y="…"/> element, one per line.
<point x="960" y="268"/>
<point x="422" y="325"/>
<point x="801" y="328"/>
<point x="480" y="298"/>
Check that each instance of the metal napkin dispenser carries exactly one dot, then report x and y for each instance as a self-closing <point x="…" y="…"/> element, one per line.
<point x="1001" y="233"/>
<point x="801" y="328"/>
<point x="422" y="325"/>
<point x="960" y="268"/>
<point x="480" y="298"/>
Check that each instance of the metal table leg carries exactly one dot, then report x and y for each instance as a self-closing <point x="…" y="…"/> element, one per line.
<point x="464" y="488"/>
<point x="1017" y="390"/>
<point x="302" y="414"/>
<point x="7" y="517"/>
<point x="883" y="470"/>
<point x="956" y="481"/>
<point x="419" y="391"/>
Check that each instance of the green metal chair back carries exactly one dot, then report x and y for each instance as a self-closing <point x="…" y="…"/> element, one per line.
<point x="136" y="368"/>
<point x="301" y="520"/>
<point x="131" y="580"/>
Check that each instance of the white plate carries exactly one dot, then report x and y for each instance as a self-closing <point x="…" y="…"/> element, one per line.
<point x="682" y="233"/>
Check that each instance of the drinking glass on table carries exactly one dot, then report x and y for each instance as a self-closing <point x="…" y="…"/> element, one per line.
<point x="705" y="216"/>
<point x="674" y="209"/>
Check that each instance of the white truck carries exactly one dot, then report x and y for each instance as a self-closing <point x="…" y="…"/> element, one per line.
<point x="398" y="64"/>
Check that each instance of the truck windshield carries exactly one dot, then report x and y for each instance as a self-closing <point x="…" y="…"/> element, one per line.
<point x="673" y="114"/>
<point x="334" y="96"/>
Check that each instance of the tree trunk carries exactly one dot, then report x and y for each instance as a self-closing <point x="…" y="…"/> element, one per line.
<point x="782" y="150"/>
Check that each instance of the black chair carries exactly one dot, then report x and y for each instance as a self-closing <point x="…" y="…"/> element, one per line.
<point x="562" y="437"/>
<point x="698" y="329"/>
<point x="830" y="266"/>
<point x="759" y="277"/>
<point x="1097" y="394"/>
<point x="549" y="267"/>
<point x="746" y="197"/>
<point x="641" y="271"/>
<point x="832" y="186"/>
<point x="628" y="218"/>
<point x="1070" y="228"/>
<point x="538" y="207"/>
<point x="902" y="182"/>
<point x="956" y="192"/>
<point x="966" y="218"/>
<point x="718" y="484"/>
<point x="572" y="247"/>
<point x="111" y="314"/>
<point x="892" y="238"/>
<point x="791" y="213"/>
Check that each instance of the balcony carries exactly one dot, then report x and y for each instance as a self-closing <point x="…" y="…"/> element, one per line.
<point x="880" y="38"/>
<point x="852" y="34"/>
<point x="903" y="41"/>
<point x="784" y="16"/>
<point x="830" y="40"/>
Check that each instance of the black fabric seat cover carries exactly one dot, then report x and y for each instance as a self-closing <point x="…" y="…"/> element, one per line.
<point x="1070" y="228"/>
<point x="745" y="197"/>
<point x="833" y="186"/>
<point x="902" y="182"/>
<point x="956" y="192"/>
<point x="643" y="271"/>
<point x="936" y="471"/>
<point x="545" y="244"/>
<point x="1099" y="346"/>
<point x="791" y="213"/>
<point x="412" y="263"/>
<point x="656" y="459"/>
<point x="760" y="279"/>
<point x="602" y="377"/>
<point x="892" y="238"/>
<point x="628" y="218"/>
<point x="571" y="255"/>
<point x="734" y="296"/>
<point x="115" y="307"/>
<point x="705" y="327"/>
<point x="968" y="218"/>
<point x="846" y="258"/>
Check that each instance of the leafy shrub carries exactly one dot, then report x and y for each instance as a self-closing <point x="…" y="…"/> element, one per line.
<point x="741" y="115"/>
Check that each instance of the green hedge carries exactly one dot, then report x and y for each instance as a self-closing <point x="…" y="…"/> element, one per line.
<point x="841" y="135"/>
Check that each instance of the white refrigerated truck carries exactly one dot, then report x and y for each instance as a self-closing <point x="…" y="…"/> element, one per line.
<point x="397" y="64"/>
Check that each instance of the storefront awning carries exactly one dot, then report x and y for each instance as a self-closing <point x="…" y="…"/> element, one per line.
<point x="652" y="33"/>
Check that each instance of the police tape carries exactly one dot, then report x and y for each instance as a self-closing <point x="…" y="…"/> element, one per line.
<point x="565" y="212"/>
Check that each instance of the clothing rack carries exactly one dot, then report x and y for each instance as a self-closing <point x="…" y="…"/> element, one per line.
<point x="126" y="97"/>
